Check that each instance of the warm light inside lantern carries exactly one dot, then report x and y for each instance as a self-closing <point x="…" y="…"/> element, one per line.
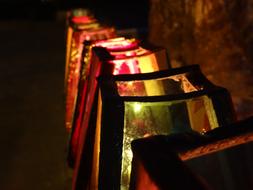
<point x="137" y="107"/>
<point x="82" y="19"/>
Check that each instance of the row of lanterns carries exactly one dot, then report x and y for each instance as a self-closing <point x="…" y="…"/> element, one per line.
<point x="119" y="89"/>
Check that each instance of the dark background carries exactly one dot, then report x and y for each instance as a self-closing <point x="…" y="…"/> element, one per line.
<point x="122" y="14"/>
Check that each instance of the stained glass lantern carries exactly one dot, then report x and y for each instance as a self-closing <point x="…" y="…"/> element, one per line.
<point x="140" y="105"/>
<point x="89" y="29"/>
<point x="120" y="44"/>
<point x="113" y="53"/>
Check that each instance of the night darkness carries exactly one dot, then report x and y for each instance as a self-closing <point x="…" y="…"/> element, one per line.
<point x="122" y="14"/>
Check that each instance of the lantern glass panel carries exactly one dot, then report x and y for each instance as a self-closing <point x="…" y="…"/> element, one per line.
<point x="164" y="86"/>
<point x="155" y="60"/>
<point x="139" y="61"/>
<point x="142" y="119"/>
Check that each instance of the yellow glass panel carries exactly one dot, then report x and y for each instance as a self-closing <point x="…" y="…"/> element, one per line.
<point x="153" y="62"/>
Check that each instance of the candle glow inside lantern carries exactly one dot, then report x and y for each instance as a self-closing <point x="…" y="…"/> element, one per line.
<point x="125" y="56"/>
<point x="157" y="105"/>
<point x="84" y="28"/>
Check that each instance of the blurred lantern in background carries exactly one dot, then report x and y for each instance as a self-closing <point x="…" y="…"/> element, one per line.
<point x="82" y="27"/>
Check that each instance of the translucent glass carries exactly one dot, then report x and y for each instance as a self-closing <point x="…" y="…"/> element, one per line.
<point x="176" y="84"/>
<point x="144" y="119"/>
<point x="118" y="44"/>
<point x="138" y="51"/>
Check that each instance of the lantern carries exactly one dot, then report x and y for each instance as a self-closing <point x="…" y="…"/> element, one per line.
<point x="84" y="28"/>
<point x="140" y="105"/>
<point x="103" y="61"/>
<point x="119" y="43"/>
<point x="164" y="161"/>
<point x="115" y="52"/>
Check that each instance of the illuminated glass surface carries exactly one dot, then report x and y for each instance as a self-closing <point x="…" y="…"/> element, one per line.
<point x="111" y="43"/>
<point x="74" y="65"/>
<point x="176" y="84"/>
<point x="142" y="119"/>
<point x="84" y="93"/>
<point x="158" y="103"/>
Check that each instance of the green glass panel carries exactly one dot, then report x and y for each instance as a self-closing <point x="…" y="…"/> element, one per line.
<point x="143" y="119"/>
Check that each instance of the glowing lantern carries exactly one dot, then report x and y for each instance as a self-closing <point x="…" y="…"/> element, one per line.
<point x="112" y="44"/>
<point x="162" y="103"/>
<point x="124" y="56"/>
<point x="85" y="29"/>
<point x="106" y="62"/>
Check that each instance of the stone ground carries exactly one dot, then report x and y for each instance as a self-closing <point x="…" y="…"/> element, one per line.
<point x="32" y="138"/>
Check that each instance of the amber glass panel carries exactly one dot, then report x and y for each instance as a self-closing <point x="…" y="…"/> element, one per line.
<point x="144" y="119"/>
<point x="176" y="84"/>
